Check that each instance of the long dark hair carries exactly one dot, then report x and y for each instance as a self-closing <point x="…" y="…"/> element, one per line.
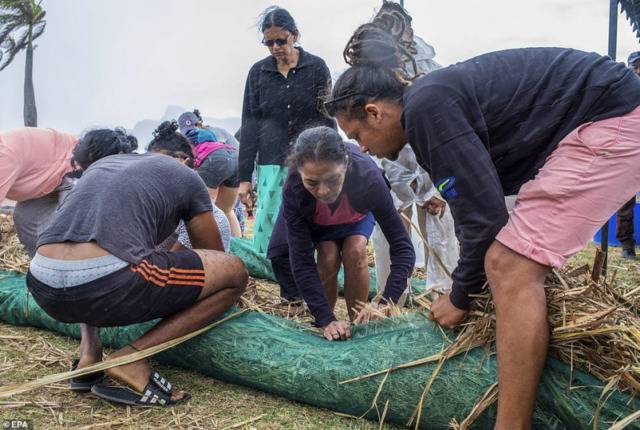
<point x="377" y="53"/>
<point x="100" y="143"/>
<point x="166" y="139"/>
<point x="318" y="144"/>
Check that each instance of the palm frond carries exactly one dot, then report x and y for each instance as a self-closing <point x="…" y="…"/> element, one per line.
<point x="6" y="17"/>
<point x="9" y="30"/>
<point x="38" y="29"/>
<point x="10" y="54"/>
<point x="17" y="17"/>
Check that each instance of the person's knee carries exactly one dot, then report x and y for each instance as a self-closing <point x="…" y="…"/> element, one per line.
<point x="225" y="270"/>
<point x="329" y="263"/>
<point x="510" y="273"/>
<point x="494" y="263"/>
<point x="239" y="274"/>
<point x="355" y="255"/>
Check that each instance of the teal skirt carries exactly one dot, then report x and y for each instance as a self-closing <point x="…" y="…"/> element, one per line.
<point x="271" y="179"/>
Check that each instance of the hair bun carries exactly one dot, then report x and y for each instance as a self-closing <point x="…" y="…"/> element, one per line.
<point x="373" y="46"/>
<point x="166" y="129"/>
<point x="126" y="142"/>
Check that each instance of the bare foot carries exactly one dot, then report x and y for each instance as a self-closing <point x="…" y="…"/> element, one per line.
<point x="136" y="374"/>
<point x="87" y="359"/>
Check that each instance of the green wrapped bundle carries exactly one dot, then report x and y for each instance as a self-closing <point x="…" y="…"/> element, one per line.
<point x="284" y="358"/>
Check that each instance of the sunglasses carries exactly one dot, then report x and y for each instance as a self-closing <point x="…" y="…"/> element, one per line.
<point x="270" y="42"/>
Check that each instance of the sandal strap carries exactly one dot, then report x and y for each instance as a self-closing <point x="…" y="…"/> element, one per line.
<point x="154" y="395"/>
<point x="161" y="382"/>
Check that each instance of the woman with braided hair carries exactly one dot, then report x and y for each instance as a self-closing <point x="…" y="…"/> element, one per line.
<point x="410" y="184"/>
<point x="558" y="127"/>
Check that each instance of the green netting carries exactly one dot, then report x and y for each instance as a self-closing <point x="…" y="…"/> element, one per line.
<point x="259" y="266"/>
<point x="284" y="358"/>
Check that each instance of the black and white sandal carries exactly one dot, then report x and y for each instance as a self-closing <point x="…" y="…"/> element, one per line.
<point x="83" y="384"/>
<point x="157" y="393"/>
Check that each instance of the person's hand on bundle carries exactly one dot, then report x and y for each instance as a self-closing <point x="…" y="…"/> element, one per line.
<point x="337" y="330"/>
<point x="371" y="313"/>
<point x="435" y="206"/>
<point x="445" y="313"/>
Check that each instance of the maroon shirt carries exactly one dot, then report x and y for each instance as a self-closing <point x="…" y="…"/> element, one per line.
<point x="367" y="190"/>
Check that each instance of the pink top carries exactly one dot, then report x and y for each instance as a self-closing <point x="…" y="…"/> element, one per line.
<point x="202" y="150"/>
<point x="33" y="162"/>
<point x="343" y="214"/>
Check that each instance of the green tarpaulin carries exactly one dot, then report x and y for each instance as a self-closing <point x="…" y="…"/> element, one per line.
<point x="285" y="358"/>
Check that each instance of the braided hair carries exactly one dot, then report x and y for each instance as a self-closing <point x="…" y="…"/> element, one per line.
<point x="378" y="53"/>
<point x="100" y="143"/>
<point x="168" y="141"/>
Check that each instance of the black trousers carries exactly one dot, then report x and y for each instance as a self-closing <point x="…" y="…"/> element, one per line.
<point x="282" y="270"/>
<point x="624" y="225"/>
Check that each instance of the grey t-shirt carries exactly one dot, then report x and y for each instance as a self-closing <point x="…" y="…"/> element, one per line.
<point x="128" y="204"/>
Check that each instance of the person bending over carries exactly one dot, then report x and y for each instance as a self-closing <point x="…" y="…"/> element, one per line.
<point x="330" y="200"/>
<point x="215" y="152"/>
<point x="38" y="167"/>
<point x="96" y="264"/>
<point x="558" y="127"/>
<point x="167" y="141"/>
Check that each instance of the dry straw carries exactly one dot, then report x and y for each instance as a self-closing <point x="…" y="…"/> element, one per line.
<point x="11" y="390"/>
<point x="12" y="254"/>
<point x="594" y="326"/>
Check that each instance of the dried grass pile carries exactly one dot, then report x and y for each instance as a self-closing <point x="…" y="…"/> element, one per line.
<point x="12" y="254"/>
<point x="594" y="326"/>
<point x="264" y="297"/>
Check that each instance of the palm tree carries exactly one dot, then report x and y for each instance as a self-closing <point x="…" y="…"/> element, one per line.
<point x="22" y="22"/>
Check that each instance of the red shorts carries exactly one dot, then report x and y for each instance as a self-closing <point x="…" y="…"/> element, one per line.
<point x="590" y="175"/>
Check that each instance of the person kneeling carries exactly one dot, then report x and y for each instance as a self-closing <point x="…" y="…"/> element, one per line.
<point x="330" y="199"/>
<point x="96" y="264"/>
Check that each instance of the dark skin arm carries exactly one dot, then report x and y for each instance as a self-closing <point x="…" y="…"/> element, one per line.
<point x="204" y="233"/>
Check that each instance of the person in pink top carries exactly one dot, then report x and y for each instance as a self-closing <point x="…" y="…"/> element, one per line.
<point x="37" y="167"/>
<point x="33" y="162"/>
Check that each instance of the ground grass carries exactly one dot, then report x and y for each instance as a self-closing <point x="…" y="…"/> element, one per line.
<point x="28" y="353"/>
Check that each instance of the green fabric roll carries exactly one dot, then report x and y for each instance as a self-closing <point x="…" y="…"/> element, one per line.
<point x="287" y="359"/>
<point x="270" y="182"/>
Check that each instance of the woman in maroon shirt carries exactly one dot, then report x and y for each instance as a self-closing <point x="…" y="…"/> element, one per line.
<point x="330" y="200"/>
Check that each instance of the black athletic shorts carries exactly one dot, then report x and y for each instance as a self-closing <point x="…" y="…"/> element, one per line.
<point x="162" y="284"/>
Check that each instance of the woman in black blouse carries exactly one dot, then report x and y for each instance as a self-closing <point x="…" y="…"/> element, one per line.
<point x="282" y="97"/>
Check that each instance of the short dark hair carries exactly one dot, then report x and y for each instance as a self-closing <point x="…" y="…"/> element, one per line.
<point x="100" y="143"/>
<point x="318" y="144"/>
<point x="275" y="16"/>
<point x="167" y="139"/>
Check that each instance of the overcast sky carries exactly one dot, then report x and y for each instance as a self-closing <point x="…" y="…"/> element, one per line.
<point x="120" y="61"/>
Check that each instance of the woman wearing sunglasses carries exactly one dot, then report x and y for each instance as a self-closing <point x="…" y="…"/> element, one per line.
<point x="282" y="98"/>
